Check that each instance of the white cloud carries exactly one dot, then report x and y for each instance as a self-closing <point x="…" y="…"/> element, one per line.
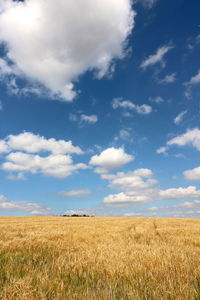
<point x="33" y="143"/>
<point x="136" y="186"/>
<point x="139" y="186"/>
<point x="3" y="147"/>
<point x="191" y="137"/>
<point x="131" y="181"/>
<point x="156" y="58"/>
<point x="76" y="193"/>
<point x="193" y="174"/>
<point x="110" y="159"/>
<point x="168" y="78"/>
<point x="180" y="193"/>
<point x="1" y="106"/>
<point x="143" y="109"/>
<point x="81" y="118"/>
<point x="23" y="206"/>
<point x="157" y="99"/>
<point x="154" y="208"/>
<point x="179" y="117"/>
<point x="162" y="150"/>
<point x="189" y="204"/>
<point x="86" y="36"/>
<point x="195" y="80"/>
<point x="123" y="199"/>
<point x="59" y="165"/>
<point x="89" y="119"/>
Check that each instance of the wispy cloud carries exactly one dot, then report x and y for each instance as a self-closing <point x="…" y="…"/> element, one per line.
<point x="168" y="79"/>
<point x="23" y="206"/>
<point x="195" y="80"/>
<point x="75" y="193"/>
<point x="156" y="100"/>
<point x="156" y="58"/>
<point x="179" y="118"/>
<point x="143" y="109"/>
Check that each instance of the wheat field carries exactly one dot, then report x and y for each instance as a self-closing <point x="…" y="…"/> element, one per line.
<point x="99" y="258"/>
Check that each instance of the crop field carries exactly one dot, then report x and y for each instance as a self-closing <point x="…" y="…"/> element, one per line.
<point x="99" y="258"/>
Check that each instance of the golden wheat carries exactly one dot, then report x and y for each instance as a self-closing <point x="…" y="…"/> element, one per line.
<point x="99" y="258"/>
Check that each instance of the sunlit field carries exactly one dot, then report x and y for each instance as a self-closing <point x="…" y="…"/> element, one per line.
<point x="99" y="258"/>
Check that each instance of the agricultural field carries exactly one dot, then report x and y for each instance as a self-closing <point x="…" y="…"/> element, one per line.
<point x="99" y="258"/>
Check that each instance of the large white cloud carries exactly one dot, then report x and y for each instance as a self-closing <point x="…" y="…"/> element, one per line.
<point x="111" y="159"/>
<point x="33" y="143"/>
<point x="60" y="166"/>
<point x="139" y="186"/>
<point x="58" y="163"/>
<point x="123" y="199"/>
<point x="180" y="193"/>
<point x="190" y="138"/>
<point x="131" y="181"/>
<point x="193" y="174"/>
<point x="135" y="186"/>
<point x="54" y="42"/>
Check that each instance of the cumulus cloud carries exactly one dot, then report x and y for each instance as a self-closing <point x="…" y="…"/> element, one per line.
<point x="156" y="58"/>
<point x="135" y="186"/>
<point x="179" y="118"/>
<point x="58" y="163"/>
<point x="139" y="186"/>
<point x="143" y="109"/>
<point x="168" y="79"/>
<point x="190" y="138"/>
<point x="180" y="193"/>
<point x="33" y="143"/>
<point x="131" y="181"/>
<point x="3" y="147"/>
<point x="123" y="199"/>
<point x="193" y="174"/>
<point x="86" y="36"/>
<point x="110" y="159"/>
<point x="23" y="206"/>
<point x="76" y="193"/>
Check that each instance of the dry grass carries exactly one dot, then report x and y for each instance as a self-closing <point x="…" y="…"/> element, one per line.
<point x="99" y="258"/>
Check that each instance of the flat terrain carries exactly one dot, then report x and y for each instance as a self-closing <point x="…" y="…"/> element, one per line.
<point x="99" y="258"/>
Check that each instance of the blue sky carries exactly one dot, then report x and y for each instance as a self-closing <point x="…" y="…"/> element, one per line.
<point x="99" y="110"/>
